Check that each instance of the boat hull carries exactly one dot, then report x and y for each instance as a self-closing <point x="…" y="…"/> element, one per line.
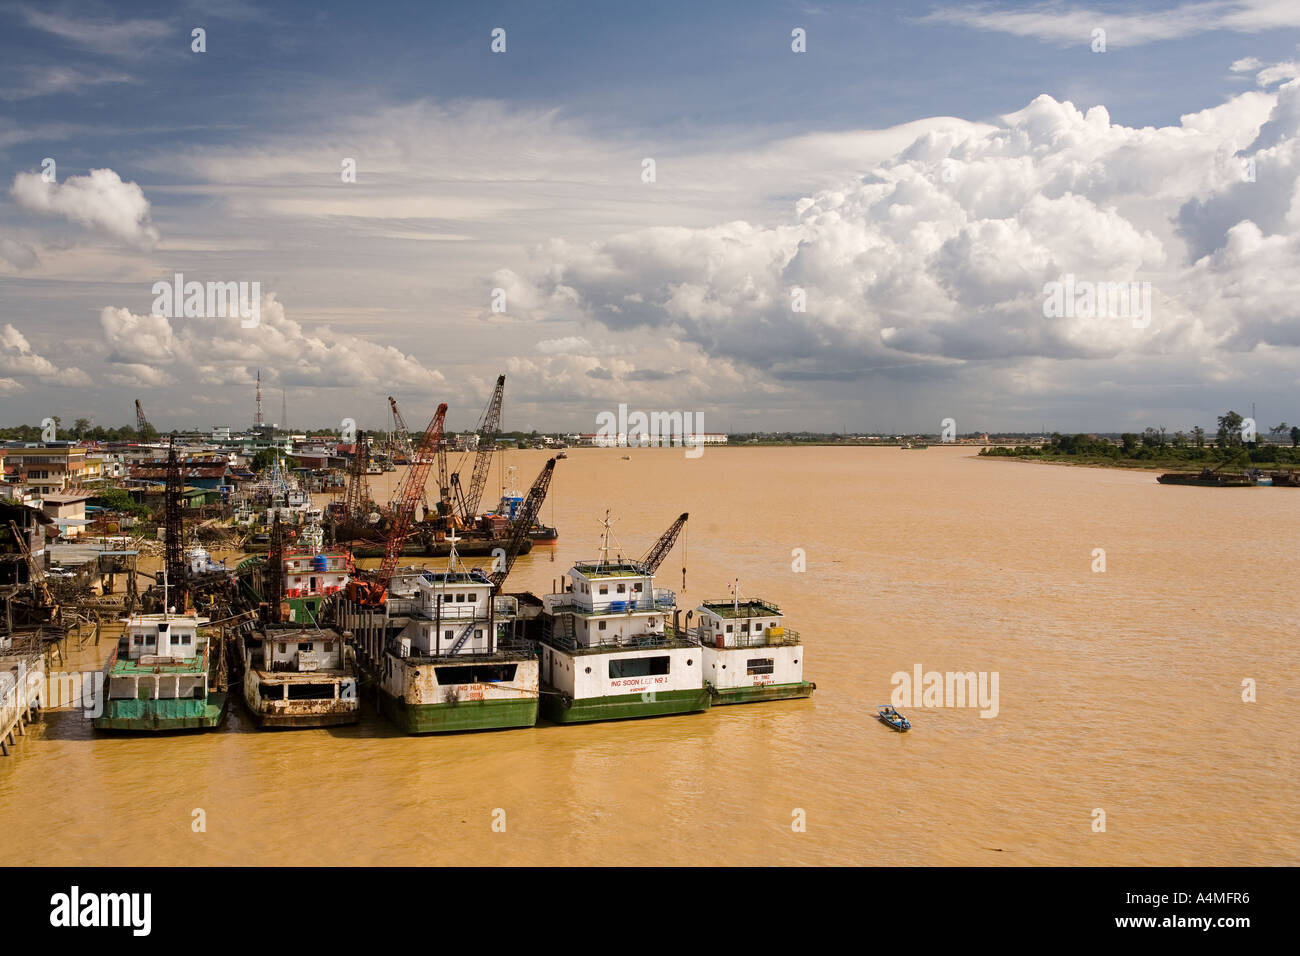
<point x="299" y="721"/>
<point x="763" y="692"/>
<point x="1203" y="481"/>
<point x="423" y="696"/>
<point x="162" y="716"/>
<point x="559" y="708"/>
<point x="460" y="717"/>
<point x="273" y="713"/>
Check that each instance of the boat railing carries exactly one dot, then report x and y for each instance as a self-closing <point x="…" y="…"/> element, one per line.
<point x="662" y="600"/>
<point x="669" y="637"/>
<point x="398" y="606"/>
<point x="768" y="609"/>
<point x="786" y="638"/>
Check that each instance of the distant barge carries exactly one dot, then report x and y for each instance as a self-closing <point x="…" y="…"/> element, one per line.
<point x="467" y="547"/>
<point x="1207" y="478"/>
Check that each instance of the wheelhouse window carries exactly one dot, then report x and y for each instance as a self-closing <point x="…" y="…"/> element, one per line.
<point x="639" y="667"/>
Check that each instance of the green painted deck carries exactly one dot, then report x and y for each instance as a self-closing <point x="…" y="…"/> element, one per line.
<point x="562" y="710"/>
<point x="189" y="666"/>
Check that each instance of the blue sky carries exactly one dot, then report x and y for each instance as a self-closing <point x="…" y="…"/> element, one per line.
<point x="522" y="171"/>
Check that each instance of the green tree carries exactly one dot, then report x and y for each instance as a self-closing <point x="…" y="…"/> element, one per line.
<point x="1229" y="433"/>
<point x="1198" y="436"/>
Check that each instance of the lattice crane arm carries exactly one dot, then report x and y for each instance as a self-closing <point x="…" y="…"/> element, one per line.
<point x="409" y="495"/>
<point x="487" y="433"/>
<point x="519" y="528"/>
<point x="655" y="556"/>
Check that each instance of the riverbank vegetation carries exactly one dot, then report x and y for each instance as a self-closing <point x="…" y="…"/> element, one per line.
<point x="1155" y="448"/>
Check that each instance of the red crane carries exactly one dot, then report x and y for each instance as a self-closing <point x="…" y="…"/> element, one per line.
<point x="409" y="494"/>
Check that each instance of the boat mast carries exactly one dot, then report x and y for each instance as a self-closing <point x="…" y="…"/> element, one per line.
<point x="604" y="540"/>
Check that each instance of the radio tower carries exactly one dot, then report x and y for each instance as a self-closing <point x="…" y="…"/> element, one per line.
<point x="257" y="419"/>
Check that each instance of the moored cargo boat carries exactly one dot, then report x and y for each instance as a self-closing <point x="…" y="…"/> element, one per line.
<point x="160" y="677"/>
<point x="310" y="576"/>
<point x="749" y="654"/>
<point x="609" y="650"/>
<point x="294" y="677"/>
<point x="452" y="656"/>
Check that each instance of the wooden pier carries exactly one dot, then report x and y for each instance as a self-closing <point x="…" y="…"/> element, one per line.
<point x="22" y="684"/>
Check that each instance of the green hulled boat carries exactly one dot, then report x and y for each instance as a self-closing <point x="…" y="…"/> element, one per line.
<point x="160" y="677"/>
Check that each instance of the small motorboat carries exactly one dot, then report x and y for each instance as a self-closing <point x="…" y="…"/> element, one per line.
<point x="893" y="718"/>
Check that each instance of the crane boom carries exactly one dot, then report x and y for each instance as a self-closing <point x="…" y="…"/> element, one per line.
<point x="357" y="499"/>
<point x="519" y="528"/>
<point x="403" y="434"/>
<point x="408" y="446"/>
<point x="659" y="550"/>
<point x="487" y="433"/>
<point x="409" y="494"/>
<point x="141" y="423"/>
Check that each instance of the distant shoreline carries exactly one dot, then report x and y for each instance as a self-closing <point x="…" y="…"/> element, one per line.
<point x="1094" y="463"/>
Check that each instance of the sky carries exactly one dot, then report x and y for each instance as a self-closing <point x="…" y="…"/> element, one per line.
<point x="662" y="205"/>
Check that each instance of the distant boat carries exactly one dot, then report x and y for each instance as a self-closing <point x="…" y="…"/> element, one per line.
<point x="892" y="718"/>
<point x="1207" y="478"/>
<point x="1286" y="479"/>
<point x="627" y="457"/>
<point x="563" y="454"/>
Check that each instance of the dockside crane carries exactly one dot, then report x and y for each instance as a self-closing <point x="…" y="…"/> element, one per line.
<point x="356" y="500"/>
<point x="519" y="528"/>
<point x="174" y="535"/>
<point x="408" y="448"/>
<point x="373" y="591"/>
<point x="142" y="427"/>
<point x="659" y="550"/>
<point x="487" y="436"/>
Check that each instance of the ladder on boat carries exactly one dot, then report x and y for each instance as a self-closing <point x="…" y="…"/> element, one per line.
<point x="464" y="636"/>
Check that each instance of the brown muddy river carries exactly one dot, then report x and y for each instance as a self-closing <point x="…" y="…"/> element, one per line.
<point x="1118" y="691"/>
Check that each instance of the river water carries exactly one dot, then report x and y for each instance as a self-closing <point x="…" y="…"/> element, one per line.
<point x="1119" y="691"/>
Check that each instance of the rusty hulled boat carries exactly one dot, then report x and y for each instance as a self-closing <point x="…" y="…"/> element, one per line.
<point x="299" y="677"/>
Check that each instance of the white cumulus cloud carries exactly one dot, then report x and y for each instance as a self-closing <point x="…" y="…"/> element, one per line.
<point x="941" y="253"/>
<point x="216" y="351"/>
<point x="17" y="358"/>
<point x="100" y="200"/>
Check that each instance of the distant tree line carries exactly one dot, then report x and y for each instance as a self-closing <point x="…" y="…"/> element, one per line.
<point x="1156" y="444"/>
